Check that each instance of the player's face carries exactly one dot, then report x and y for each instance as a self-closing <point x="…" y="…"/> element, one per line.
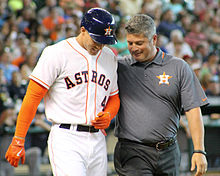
<point x="91" y="46"/>
<point x="140" y="47"/>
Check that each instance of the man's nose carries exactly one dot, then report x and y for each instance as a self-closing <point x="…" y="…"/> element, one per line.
<point x="133" y="48"/>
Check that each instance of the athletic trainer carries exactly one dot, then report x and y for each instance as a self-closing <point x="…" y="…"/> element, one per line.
<point x="153" y="89"/>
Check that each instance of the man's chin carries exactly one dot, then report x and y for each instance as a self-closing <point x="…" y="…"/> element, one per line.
<point x="137" y="58"/>
<point x="93" y="52"/>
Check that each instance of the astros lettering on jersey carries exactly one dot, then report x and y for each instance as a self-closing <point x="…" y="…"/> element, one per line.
<point x="79" y="84"/>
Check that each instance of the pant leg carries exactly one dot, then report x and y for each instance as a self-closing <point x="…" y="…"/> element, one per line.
<point x="77" y="153"/>
<point x="130" y="160"/>
<point x="136" y="159"/>
<point x="98" y="160"/>
<point x="169" y="161"/>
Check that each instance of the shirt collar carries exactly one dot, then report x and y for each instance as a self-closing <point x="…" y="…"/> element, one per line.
<point x="158" y="59"/>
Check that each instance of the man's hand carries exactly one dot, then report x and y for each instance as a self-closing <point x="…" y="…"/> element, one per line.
<point x="199" y="160"/>
<point x="16" y="151"/>
<point x="102" y="121"/>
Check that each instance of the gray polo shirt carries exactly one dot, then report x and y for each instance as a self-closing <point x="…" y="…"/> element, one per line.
<point x="152" y="96"/>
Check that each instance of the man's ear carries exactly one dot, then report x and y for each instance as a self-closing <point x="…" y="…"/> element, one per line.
<point x="82" y="29"/>
<point x="154" y="39"/>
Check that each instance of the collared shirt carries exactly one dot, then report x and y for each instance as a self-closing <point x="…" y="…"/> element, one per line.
<point x="152" y="96"/>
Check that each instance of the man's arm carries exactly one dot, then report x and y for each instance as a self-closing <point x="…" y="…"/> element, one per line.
<point x="196" y="127"/>
<point x="35" y="92"/>
<point x="103" y="119"/>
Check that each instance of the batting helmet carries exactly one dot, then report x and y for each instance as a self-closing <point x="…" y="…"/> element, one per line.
<point x="100" y="25"/>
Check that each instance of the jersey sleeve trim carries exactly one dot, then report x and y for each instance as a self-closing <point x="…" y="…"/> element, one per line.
<point x="40" y="82"/>
<point x="114" y="92"/>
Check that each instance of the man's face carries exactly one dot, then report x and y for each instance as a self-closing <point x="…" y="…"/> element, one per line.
<point x="90" y="45"/>
<point x="140" y="47"/>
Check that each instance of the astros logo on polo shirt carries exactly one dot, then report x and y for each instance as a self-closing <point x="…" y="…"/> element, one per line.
<point x="164" y="79"/>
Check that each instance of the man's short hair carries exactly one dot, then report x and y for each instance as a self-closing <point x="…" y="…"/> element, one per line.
<point x="141" y="24"/>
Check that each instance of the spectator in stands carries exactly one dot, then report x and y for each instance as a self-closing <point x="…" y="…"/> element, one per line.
<point x="151" y="7"/>
<point x="200" y="8"/>
<point x="114" y="9"/>
<point x="16" y="88"/>
<point x="213" y="88"/>
<point x="130" y="7"/>
<point x="53" y="19"/>
<point x="5" y="12"/>
<point x="176" y="6"/>
<point x="90" y="4"/>
<point x="211" y="66"/>
<point x="27" y="67"/>
<point x="16" y="45"/>
<point x="3" y="91"/>
<point x="27" y="15"/>
<point x="196" y="65"/>
<point x="122" y="46"/>
<point x="196" y="35"/>
<point x="44" y="12"/>
<point x="70" y="32"/>
<point x="185" y="20"/>
<point x="23" y="46"/>
<point x="177" y="46"/>
<point x="68" y="9"/>
<point x="58" y="33"/>
<point x="18" y="5"/>
<point x="41" y="38"/>
<point x="9" y="29"/>
<point x="6" y="110"/>
<point x="162" y="41"/>
<point x="167" y="24"/>
<point x="6" y="66"/>
<point x="213" y="31"/>
<point x="202" y="51"/>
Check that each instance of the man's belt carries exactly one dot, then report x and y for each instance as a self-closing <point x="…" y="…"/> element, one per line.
<point x="158" y="146"/>
<point x="84" y="128"/>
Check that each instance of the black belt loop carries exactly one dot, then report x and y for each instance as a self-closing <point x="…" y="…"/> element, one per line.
<point x="84" y="128"/>
<point x="158" y="146"/>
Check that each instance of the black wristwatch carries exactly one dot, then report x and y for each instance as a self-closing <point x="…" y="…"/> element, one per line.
<point x="200" y="151"/>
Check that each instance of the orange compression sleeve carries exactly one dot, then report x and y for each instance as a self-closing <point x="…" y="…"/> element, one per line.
<point x="34" y="94"/>
<point x="113" y="105"/>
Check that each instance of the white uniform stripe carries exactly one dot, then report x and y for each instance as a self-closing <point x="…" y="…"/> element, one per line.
<point x="39" y="81"/>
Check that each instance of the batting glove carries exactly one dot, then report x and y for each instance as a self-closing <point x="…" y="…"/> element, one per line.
<point x="16" y="151"/>
<point x="102" y="121"/>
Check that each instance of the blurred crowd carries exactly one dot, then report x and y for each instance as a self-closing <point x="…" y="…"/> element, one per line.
<point x="188" y="29"/>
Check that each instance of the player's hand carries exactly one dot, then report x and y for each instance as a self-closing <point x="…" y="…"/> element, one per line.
<point x="16" y="151"/>
<point x="102" y="121"/>
<point x="199" y="161"/>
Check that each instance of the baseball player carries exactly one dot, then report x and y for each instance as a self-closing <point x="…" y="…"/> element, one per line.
<point x="77" y="78"/>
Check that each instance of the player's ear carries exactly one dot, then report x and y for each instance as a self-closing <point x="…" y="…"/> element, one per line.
<point x="83" y="29"/>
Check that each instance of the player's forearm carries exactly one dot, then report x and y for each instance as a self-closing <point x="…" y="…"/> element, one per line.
<point x="32" y="99"/>
<point x="113" y="105"/>
<point x="196" y="127"/>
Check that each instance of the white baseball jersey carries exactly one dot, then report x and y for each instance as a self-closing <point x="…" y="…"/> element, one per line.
<point x="79" y="84"/>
